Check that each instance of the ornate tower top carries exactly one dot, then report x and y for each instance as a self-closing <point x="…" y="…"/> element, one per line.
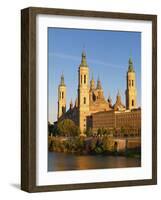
<point x="83" y="61"/>
<point x="131" y="67"/>
<point x="92" y="83"/>
<point x="118" y="105"/>
<point x="99" y="84"/>
<point x="118" y="98"/>
<point x="62" y="83"/>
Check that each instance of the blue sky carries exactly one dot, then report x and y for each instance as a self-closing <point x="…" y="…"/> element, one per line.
<point x="107" y="54"/>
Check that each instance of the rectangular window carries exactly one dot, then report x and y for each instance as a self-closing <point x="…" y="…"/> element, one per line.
<point x="132" y="102"/>
<point x="84" y="100"/>
<point x="62" y="95"/>
<point x="84" y="79"/>
<point x="81" y="79"/>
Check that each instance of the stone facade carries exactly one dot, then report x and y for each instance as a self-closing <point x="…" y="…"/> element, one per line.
<point x="119" y="123"/>
<point x="92" y="109"/>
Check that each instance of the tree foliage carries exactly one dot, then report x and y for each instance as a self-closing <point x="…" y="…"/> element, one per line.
<point x="68" y="128"/>
<point x="88" y="132"/>
<point x="52" y="129"/>
<point x="102" y="131"/>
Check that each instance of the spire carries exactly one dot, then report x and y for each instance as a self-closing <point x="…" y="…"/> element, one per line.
<point x="92" y="77"/>
<point x="92" y="83"/>
<point x="83" y="61"/>
<point x="99" y="83"/>
<point x="131" y="67"/>
<point x="118" y="105"/>
<point x="118" y="93"/>
<point x="118" y="96"/>
<point x="109" y="98"/>
<point x="62" y="80"/>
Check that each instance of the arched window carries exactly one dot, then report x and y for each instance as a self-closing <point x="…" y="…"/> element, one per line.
<point x="129" y="83"/>
<point x="81" y="79"/>
<point x="63" y="109"/>
<point x="84" y="100"/>
<point x="62" y="95"/>
<point x="84" y="79"/>
<point x="132" y="102"/>
<point x="132" y="82"/>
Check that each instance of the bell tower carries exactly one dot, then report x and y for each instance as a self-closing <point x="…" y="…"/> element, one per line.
<point x="131" y="92"/>
<point x="61" y="97"/>
<point x="83" y="92"/>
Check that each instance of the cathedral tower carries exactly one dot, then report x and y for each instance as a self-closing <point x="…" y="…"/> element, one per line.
<point x="131" y="92"/>
<point x="83" y="92"/>
<point x="61" y="97"/>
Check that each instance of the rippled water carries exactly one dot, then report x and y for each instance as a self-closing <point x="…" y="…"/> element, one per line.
<point x="64" y="161"/>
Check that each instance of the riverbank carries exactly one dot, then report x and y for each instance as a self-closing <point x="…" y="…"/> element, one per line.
<point x="104" y="145"/>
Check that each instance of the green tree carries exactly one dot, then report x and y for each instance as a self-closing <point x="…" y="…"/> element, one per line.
<point x="67" y="127"/>
<point x="99" y="131"/>
<point x="52" y="129"/>
<point x="102" y="131"/>
<point x="123" y="131"/>
<point x="108" y="144"/>
<point x="88" y="132"/>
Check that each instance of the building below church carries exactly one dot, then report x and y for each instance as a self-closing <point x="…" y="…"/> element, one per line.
<point x="91" y="110"/>
<point x="120" y="123"/>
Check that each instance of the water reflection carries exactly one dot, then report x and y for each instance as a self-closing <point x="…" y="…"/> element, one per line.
<point x="63" y="161"/>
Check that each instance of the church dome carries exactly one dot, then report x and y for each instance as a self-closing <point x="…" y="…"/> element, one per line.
<point x="131" y="67"/>
<point x="83" y="61"/>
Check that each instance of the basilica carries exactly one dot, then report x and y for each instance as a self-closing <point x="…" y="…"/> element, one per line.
<point x="92" y="109"/>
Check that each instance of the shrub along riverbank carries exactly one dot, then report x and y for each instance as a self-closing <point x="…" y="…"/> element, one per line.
<point x="89" y="145"/>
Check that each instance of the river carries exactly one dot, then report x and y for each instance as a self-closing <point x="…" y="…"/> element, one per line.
<point x="64" y="161"/>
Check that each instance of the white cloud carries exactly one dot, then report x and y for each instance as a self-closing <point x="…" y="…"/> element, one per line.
<point x="92" y="61"/>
